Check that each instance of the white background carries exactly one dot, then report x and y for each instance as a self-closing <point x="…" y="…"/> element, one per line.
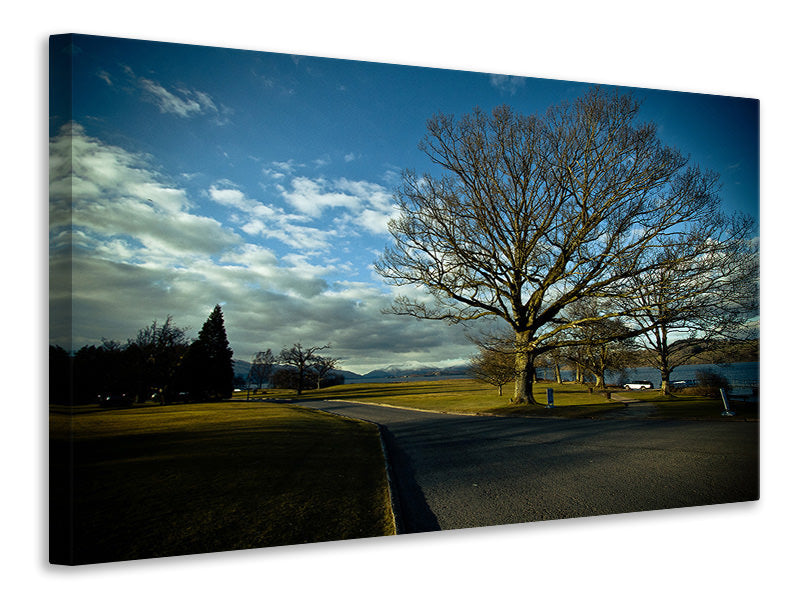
<point x="730" y="48"/>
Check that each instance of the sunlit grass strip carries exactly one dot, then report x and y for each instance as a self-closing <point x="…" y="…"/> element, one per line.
<point x="464" y="396"/>
<point x="159" y="481"/>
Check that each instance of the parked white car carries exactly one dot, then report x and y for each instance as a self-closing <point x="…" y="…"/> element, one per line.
<point x="639" y="385"/>
<point x="683" y="384"/>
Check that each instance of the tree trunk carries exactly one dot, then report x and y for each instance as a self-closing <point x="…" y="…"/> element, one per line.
<point x="666" y="372"/>
<point x="300" y="377"/>
<point x="557" y="369"/>
<point x="523" y="360"/>
<point x="662" y="348"/>
<point x="600" y="380"/>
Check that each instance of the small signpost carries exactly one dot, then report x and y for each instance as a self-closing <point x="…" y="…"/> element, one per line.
<point x="549" y="397"/>
<point x="727" y="412"/>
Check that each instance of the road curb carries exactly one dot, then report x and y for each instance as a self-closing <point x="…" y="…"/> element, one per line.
<point x="397" y="519"/>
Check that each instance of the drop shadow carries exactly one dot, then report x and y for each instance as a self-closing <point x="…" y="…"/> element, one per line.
<point x="415" y="516"/>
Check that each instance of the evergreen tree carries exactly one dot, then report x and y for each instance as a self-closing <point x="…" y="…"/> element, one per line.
<point x="212" y="358"/>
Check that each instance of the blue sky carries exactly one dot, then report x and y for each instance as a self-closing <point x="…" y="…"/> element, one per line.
<point x="264" y="182"/>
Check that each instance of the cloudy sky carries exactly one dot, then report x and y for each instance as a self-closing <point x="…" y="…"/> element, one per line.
<point x="263" y="182"/>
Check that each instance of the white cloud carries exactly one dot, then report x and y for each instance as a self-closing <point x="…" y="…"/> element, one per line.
<point x="287" y="167"/>
<point x="140" y="253"/>
<point x="311" y="197"/>
<point x="367" y="205"/>
<point x="110" y="193"/>
<point x="507" y="83"/>
<point x="298" y="236"/>
<point x="273" y="174"/>
<point x="269" y="221"/>
<point x="232" y="197"/>
<point x="105" y="77"/>
<point x="322" y="161"/>
<point x="374" y="221"/>
<point x="167" y="102"/>
<point x="182" y="102"/>
<point x="392" y="176"/>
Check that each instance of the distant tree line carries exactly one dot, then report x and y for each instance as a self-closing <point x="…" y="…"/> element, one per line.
<point x="594" y="353"/>
<point x="295" y="368"/>
<point x="160" y="363"/>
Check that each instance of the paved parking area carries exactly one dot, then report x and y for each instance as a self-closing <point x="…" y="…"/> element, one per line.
<point x="452" y="472"/>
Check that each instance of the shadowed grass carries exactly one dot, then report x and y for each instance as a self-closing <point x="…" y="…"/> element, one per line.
<point x="684" y="406"/>
<point x="168" y="480"/>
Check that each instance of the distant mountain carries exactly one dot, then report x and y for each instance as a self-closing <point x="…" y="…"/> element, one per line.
<point x="377" y="373"/>
<point x="400" y="371"/>
<point x="242" y="368"/>
<point x="347" y="374"/>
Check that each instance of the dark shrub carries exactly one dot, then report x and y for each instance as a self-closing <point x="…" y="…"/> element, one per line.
<point x="708" y="383"/>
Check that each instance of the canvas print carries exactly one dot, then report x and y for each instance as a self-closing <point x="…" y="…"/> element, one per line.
<point x="297" y="299"/>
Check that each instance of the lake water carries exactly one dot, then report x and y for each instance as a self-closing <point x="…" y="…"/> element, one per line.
<point x="743" y="377"/>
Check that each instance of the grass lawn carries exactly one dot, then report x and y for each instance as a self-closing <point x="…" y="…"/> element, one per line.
<point x="465" y="396"/>
<point x="154" y="481"/>
<point x="471" y="397"/>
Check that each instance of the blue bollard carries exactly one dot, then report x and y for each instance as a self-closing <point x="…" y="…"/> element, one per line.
<point x="727" y="412"/>
<point x="549" y="397"/>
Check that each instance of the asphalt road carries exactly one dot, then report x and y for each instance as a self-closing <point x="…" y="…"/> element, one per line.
<point x="452" y="472"/>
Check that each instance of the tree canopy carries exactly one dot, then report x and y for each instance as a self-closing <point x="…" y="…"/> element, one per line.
<point x="304" y="360"/>
<point x="532" y="213"/>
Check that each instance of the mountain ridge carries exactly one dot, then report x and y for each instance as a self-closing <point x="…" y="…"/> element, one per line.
<point x="241" y="368"/>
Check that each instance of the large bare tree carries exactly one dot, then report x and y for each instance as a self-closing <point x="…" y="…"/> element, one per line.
<point x="302" y="359"/>
<point x="530" y="213"/>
